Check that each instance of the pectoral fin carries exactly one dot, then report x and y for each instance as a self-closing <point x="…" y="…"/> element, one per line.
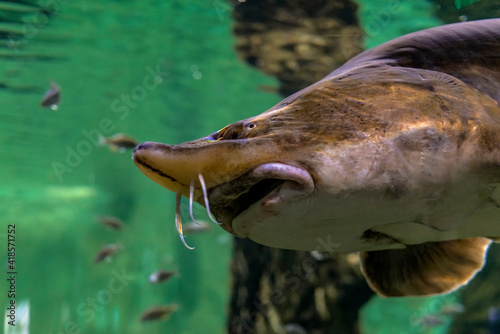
<point x="424" y="269"/>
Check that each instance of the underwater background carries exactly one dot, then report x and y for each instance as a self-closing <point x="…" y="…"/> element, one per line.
<point x="163" y="71"/>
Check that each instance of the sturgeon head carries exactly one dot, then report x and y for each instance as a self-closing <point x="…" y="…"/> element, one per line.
<point x="394" y="154"/>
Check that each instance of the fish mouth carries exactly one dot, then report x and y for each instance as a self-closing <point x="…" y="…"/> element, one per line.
<point x="269" y="185"/>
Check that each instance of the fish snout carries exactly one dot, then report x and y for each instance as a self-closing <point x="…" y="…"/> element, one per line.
<point x="175" y="167"/>
<point x="141" y="152"/>
<point x="160" y="163"/>
<point x="142" y="146"/>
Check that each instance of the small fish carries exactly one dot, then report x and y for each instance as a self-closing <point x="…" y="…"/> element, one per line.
<point x="119" y="142"/>
<point x="52" y="97"/>
<point x="111" y="222"/>
<point x="106" y="253"/>
<point x="196" y="226"/>
<point x="451" y="309"/>
<point x="161" y="312"/>
<point x="161" y="276"/>
<point x="429" y="321"/>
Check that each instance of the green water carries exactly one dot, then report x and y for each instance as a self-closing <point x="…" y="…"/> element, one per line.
<point x="158" y="71"/>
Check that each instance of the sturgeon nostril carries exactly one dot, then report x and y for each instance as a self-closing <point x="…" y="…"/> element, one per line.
<point x="143" y="146"/>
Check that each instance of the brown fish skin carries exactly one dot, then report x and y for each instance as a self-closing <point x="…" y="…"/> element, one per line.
<point x="107" y="252"/>
<point x="161" y="312"/>
<point x="111" y="222"/>
<point x="397" y="148"/>
<point x="52" y="97"/>
<point x="359" y="131"/>
<point x="371" y="133"/>
<point x="161" y="276"/>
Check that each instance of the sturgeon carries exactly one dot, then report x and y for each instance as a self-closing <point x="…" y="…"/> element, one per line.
<point x="394" y="155"/>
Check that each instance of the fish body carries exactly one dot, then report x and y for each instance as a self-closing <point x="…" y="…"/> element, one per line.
<point x="395" y="154"/>
<point x="111" y="222"/>
<point x="119" y="142"/>
<point x="107" y="252"/>
<point x="160" y="312"/>
<point x="161" y="276"/>
<point x="52" y="97"/>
